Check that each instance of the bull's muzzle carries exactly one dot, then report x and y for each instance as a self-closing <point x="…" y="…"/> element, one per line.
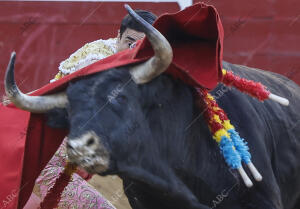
<point x="88" y="152"/>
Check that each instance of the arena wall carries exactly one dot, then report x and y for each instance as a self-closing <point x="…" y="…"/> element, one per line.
<point x="263" y="34"/>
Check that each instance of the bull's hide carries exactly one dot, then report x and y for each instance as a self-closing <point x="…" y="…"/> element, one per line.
<point x="155" y="138"/>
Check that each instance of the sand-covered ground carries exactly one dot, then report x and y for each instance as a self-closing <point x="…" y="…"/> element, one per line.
<point x="111" y="188"/>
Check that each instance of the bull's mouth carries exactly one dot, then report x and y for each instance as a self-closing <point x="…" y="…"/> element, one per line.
<point x="89" y="153"/>
<point x="92" y="164"/>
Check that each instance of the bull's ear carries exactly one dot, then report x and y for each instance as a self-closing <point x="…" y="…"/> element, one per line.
<point x="58" y="118"/>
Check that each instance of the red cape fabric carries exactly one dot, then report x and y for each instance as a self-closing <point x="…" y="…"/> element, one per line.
<point x="27" y="143"/>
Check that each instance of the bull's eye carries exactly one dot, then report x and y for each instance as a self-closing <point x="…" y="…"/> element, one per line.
<point x="121" y="99"/>
<point x="90" y="141"/>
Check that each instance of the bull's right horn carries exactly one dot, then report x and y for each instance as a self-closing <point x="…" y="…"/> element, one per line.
<point x="163" y="54"/>
<point x="35" y="104"/>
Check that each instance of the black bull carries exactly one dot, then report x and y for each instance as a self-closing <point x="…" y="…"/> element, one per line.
<point x="157" y="141"/>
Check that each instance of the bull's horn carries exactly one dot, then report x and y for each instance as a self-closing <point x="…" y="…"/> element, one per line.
<point x="36" y="104"/>
<point x="162" y="58"/>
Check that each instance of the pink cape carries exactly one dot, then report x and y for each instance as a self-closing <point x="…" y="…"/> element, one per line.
<point x="27" y="143"/>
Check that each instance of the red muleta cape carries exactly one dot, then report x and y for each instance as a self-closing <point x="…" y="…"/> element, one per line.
<point x="27" y="143"/>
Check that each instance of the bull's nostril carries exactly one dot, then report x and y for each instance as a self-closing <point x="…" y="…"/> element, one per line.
<point x="69" y="146"/>
<point x="90" y="141"/>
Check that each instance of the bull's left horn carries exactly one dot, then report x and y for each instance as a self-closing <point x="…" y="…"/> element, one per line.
<point x="36" y="104"/>
<point x="163" y="53"/>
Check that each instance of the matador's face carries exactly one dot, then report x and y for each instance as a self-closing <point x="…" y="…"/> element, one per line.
<point x="128" y="37"/>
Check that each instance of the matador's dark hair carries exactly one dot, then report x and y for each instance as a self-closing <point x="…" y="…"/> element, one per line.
<point x="129" y="22"/>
